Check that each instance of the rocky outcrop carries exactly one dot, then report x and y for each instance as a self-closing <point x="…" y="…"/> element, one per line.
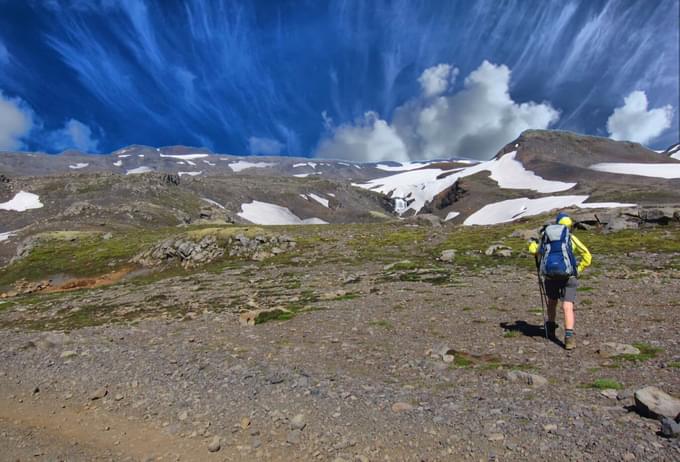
<point x="633" y="218"/>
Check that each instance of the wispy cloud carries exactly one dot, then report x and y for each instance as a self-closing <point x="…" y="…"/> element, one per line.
<point x="4" y="54"/>
<point x="16" y="122"/>
<point x="74" y="135"/>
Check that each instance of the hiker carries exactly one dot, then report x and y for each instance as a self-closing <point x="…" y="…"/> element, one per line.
<point x="560" y="270"/>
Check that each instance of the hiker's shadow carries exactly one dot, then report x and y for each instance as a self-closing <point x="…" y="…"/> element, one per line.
<point x="526" y="329"/>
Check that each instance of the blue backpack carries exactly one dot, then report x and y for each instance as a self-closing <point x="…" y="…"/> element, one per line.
<point x="557" y="259"/>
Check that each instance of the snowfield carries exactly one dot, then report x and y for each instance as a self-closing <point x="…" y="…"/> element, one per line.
<point x="7" y="235"/>
<point x="451" y="216"/>
<point x="185" y="156"/>
<point x="402" y="166"/>
<point x="242" y="165"/>
<point x="190" y="173"/>
<point x="142" y="169"/>
<point x="319" y="199"/>
<point x="78" y="166"/>
<point x="263" y="213"/>
<point x="422" y="185"/>
<point x="512" y="209"/>
<point x="662" y="170"/>
<point x="22" y="201"/>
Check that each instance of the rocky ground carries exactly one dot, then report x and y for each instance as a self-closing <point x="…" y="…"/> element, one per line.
<point x="383" y="352"/>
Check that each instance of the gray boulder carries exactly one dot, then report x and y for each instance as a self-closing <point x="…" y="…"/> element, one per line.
<point x="654" y="403"/>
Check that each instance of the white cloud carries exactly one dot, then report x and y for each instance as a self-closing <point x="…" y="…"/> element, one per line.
<point x="437" y="79"/>
<point x="16" y="121"/>
<point x="370" y="139"/>
<point x="264" y="146"/>
<point x="4" y="54"/>
<point x="75" y="134"/>
<point x="475" y="122"/>
<point x="633" y="122"/>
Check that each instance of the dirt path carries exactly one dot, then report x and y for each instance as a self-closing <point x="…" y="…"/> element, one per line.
<point x="43" y="427"/>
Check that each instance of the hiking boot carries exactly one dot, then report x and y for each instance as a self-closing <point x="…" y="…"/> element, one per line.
<point x="570" y="342"/>
<point x="551" y="328"/>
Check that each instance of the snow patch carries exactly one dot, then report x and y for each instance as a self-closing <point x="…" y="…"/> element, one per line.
<point x="319" y="199"/>
<point x="210" y="201"/>
<point x="401" y="167"/>
<point x="190" y="173"/>
<point x="123" y="156"/>
<point x="420" y="186"/>
<point x="242" y="165"/>
<point x="661" y="170"/>
<point x="263" y="213"/>
<point x="451" y="216"/>
<point x="7" y="235"/>
<point x="191" y="163"/>
<point x="303" y="164"/>
<point x="180" y="162"/>
<point x="22" y="201"/>
<point x="140" y="155"/>
<point x="209" y="163"/>
<point x="118" y="163"/>
<point x="185" y="156"/>
<point x="142" y="169"/>
<point x="78" y="165"/>
<point x="512" y="209"/>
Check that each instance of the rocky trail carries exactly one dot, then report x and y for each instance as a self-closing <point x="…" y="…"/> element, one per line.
<point x="368" y="360"/>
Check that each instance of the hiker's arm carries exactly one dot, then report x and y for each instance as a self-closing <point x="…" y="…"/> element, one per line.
<point x="583" y="252"/>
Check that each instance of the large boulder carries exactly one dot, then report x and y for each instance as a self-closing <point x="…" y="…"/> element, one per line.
<point x="610" y="349"/>
<point x="653" y="402"/>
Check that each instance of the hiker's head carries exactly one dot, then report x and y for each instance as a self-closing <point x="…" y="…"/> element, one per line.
<point x="564" y="219"/>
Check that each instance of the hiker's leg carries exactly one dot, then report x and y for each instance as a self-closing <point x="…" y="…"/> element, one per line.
<point x="568" y="308"/>
<point x="552" y="309"/>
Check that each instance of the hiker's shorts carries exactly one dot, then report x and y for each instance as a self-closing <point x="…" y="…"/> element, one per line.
<point x="563" y="289"/>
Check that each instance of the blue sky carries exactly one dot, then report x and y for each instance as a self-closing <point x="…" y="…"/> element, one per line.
<point x="334" y="78"/>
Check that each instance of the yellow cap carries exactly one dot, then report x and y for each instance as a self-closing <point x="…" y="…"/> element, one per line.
<point x="566" y="221"/>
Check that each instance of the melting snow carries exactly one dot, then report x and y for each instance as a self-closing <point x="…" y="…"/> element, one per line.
<point x="242" y="165"/>
<point x="185" y="156"/>
<point x="191" y="163"/>
<point x="7" y="235"/>
<point x="210" y="201"/>
<point x="302" y="164"/>
<point x="209" y="163"/>
<point x="142" y="169"/>
<point x="512" y="209"/>
<point x="263" y="213"/>
<point x="78" y="165"/>
<point x="451" y="216"/>
<point x="122" y="156"/>
<point x="422" y="185"/>
<point x="319" y="199"/>
<point x="180" y="162"/>
<point x="118" y="163"/>
<point x="305" y="175"/>
<point x="331" y="194"/>
<point x="662" y="170"/>
<point x="190" y="173"/>
<point x="140" y="155"/>
<point x="22" y="201"/>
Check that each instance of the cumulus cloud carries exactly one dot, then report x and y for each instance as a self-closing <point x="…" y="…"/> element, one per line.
<point x="474" y="122"/>
<point x="368" y="139"/>
<point x="264" y="146"/>
<point x="437" y="79"/>
<point x="74" y="134"/>
<point x="16" y="121"/>
<point x="634" y="122"/>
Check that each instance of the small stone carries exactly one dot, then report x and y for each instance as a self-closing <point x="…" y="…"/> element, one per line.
<point x="184" y="415"/>
<point x="550" y="428"/>
<point x="610" y="393"/>
<point x="670" y="428"/>
<point x="298" y="422"/>
<point x="448" y="255"/>
<point x="99" y="393"/>
<point x="294" y="437"/>
<point x="654" y="403"/>
<point x="534" y="380"/>
<point x="215" y="444"/>
<point x="628" y="457"/>
<point x="245" y="422"/>
<point x="68" y="354"/>
<point x="118" y="397"/>
<point x="448" y="358"/>
<point x="401" y="407"/>
<point x="496" y="437"/>
<point x="611" y="349"/>
<point x="36" y="389"/>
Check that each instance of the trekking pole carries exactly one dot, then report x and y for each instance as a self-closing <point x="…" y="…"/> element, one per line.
<point x="541" y="290"/>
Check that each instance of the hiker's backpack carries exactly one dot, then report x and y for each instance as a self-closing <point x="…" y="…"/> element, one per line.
<point x="557" y="256"/>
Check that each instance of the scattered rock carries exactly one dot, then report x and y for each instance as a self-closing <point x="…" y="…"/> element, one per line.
<point x="496" y="436"/>
<point x="294" y="437"/>
<point x="118" y="397"/>
<point x="611" y="349"/>
<point x="245" y="422"/>
<point x="654" y="403"/>
<point x="550" y="428"/>
<point x="534" y="380"/>
<point x="99" y="393"/>
<point x="68" y="354"/>
<point x="215" y="444"/>
<point x="298" y="422"/>
<point x="498" y="250"/>
<point x="401" y="407"/>
<point x="610" y="393"/>
<point x="448" y="255"/>
<point x="250" y="318"/>
<point x="670" y="428"/>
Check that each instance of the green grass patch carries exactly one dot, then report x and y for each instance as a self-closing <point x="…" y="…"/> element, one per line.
<point x="381" y="323"/>
<point x="674" y="364"/>
<point x="511" y="333"/>
<point x="603" y="384"/>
